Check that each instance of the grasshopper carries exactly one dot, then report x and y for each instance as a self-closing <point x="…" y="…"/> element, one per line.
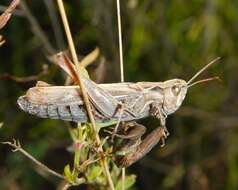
<point x="121" y="102"/>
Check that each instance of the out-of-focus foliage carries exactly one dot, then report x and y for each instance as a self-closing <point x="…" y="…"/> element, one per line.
<point x="162" y="40"/>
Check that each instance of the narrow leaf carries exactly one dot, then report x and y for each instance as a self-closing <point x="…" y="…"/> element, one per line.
<point x="94" y="173"/>
<point x="67" y="173"/>
<point x="91" y="57"/>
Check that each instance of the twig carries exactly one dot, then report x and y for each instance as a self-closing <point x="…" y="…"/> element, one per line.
<point x="15" y="13"/>
<point x="36" y="28"/>
<point x="17" y="147"/>
<point x="7" y="76"/>
<point x="6" y="15"/>
<point x="66" y="186"/>
<point x="84" y="93"/>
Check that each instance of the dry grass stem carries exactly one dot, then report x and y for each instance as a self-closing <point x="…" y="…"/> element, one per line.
<point x="121" y="67"/>
<point x="84" y="93"/>
<point x="120" y="40"/>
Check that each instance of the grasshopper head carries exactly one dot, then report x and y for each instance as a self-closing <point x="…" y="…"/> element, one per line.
<point x="175" y="90"/>
<point x="174" y="93"/>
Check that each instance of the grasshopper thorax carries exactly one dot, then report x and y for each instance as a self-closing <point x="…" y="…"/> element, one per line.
<point x="174" y="93"/>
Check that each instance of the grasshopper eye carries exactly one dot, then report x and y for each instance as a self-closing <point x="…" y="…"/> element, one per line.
<point x="176" y="90"/>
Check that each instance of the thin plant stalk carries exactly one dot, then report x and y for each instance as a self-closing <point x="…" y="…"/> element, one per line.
<point x="121" y="67"/>
<point x="120" y="40"/>
<point x="123" y="177"/>
<point x="84" y="93"/>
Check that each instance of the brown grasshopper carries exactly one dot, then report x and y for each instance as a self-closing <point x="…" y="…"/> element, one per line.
<point x="121" y="102"/>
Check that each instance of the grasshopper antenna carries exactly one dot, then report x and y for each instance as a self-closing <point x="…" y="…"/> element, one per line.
<point x="202" y="70"/>
<point x="204" y="80"/>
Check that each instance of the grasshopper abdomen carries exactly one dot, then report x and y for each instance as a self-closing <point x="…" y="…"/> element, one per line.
<point x="65" y="103"/>
<point x="67" y="112"/>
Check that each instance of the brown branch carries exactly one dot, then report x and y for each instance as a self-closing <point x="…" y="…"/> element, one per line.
<point x="32" y="78"/>
<point x="15" y="13"/>
<point x="17" y="147"/>
<point x="4" y="18"/>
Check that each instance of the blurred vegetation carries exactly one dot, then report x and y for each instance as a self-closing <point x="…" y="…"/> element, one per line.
<point x="162" y="40"/>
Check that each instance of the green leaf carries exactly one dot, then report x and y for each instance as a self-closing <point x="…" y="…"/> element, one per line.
<point x="129" y="182"/>
<point x="94" y="173"/>
<point x="68" y="175"/>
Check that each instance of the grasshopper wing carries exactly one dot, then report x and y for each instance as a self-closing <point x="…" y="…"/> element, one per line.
<point x="101" y="99"/>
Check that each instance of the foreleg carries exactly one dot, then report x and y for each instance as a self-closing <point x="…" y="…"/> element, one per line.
<point x="157" y="111"/>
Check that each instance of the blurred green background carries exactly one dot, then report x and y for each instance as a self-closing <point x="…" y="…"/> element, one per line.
<point x="162" y="40"/>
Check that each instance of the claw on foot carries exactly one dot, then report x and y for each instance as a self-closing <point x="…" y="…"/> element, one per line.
<point x="162" y="142"/>
<point x="165" y="134"/>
